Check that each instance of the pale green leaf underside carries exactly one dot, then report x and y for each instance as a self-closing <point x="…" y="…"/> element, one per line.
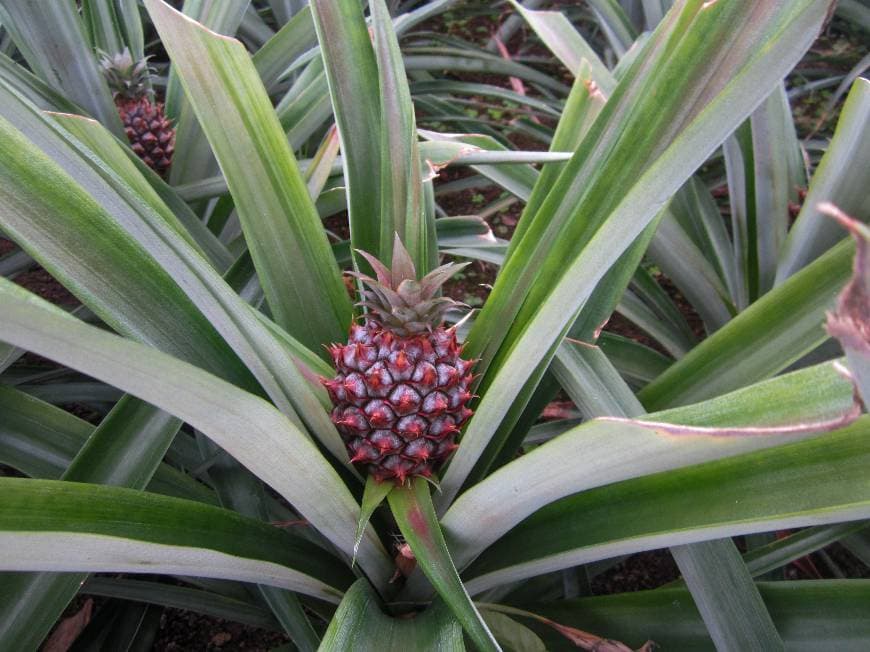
<point x="59" y="526"/>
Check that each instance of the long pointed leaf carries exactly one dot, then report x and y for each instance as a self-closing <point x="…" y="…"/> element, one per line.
<point x="401" y="181"/>
<point x="762" y="340"/>
<point x="779" y="488"/>
<point x="283" y="231"/>
<point x="415" y="516"/>
<point x="350" y="68"/>
<point x="841" y="177"/>
<point x="63" y="526"/>
<point x="622" y="449"/>
<point x="811" y="615"/>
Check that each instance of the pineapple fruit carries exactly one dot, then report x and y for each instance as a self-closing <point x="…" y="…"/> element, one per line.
<point x="402" y="388"/>
<point x="149" y="131"/>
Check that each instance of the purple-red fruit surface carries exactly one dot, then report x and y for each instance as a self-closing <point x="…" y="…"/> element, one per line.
<point x="399" y="401"/>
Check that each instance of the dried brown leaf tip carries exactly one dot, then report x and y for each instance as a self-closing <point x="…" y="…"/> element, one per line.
<point x="581" y="639"/>
<point x="850" y="322"/>
<point x="593" y="643"/>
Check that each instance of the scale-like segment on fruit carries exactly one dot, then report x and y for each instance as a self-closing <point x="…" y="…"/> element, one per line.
<point x="402" y="389"/>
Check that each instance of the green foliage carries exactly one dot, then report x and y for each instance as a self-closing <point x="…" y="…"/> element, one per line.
<point x="206" y="454"/>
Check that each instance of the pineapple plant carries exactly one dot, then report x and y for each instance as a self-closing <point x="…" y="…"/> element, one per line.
<point x="212" y="462"/>
<point x="402" y="388"/>
<point x="149" y="131"/>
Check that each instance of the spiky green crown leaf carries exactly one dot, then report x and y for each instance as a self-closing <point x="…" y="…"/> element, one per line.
<point x="127" y="78"/>
<point x="401" y="302"/>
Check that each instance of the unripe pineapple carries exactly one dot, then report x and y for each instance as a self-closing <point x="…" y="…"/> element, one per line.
<point x="402" y="389"/>
<point x="149" y="131"/>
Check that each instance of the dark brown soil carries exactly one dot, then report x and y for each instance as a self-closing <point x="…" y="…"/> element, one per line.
<point x="640" y="572"/>
<point x="185" y="631"/>
<point x="42" y="284"/>
<point x="6" y="246"/>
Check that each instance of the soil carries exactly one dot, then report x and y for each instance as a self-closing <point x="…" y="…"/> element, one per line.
<point x="835" y="52"/>
<point x="6" y="246"/>
<point x="186" y="631"/>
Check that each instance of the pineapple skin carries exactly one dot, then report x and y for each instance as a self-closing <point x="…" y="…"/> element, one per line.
<point x="149" y="131"/>
<point x="400" y="401"/>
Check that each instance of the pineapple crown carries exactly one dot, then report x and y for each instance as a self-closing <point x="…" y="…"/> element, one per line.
<point x="127" y="78"/>
<point x="400" y="302"/>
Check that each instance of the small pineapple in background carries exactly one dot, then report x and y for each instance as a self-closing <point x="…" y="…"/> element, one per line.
<point x="402" y="389"/>
<point x="149" y="131"/>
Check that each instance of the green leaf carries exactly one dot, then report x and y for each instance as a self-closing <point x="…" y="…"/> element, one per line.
<point x="457" y="59"/>
<point x="648" y="306"/>
<point x="219" y="17"/>
<point x="615" y="24"/>
<point x="33" y="88"/>
<point x="563" y="40"/>
<point x="360" y="624"/>
<point x="124" y="450"/>
<point x="249" y="428"/>
<point x="856" y="12"/>
<point x="637" y="363"/>
<point x="578" y="638"/>
<point x="682" y="261"/>
<point x="305" y="108"/>
<point x="810" y="615"/>
<point x="254" y="28"/>
<point x="279" y="52"/>
<point x="592" y="383"/>
<point x="784" y="487"/>
<point x="81" y="242"/>
<point x="351" y="68"/>
<point x="41" y="440"/>
<point x="775" y="331"/>
<point x="50" y="37"/>
<point x="373" y="495"/>
<point x="607" y="450"/>
<point x="451" y="87"/>
<point x="736" y="619"/>
<point x="240" y="491"/>
<point x="849" y="323"/>
<point x="318" y="172"/>
<point x="127" y="12"/>
<point x="181" y="597"/>
<point x="72" y="526"/>
<point x="779" y="172"/>
<point x="764" y="170"/>
<point x="517" y="178"/>
<point x="841" y="177"/>
<point x="415" y="515"/>
<point x="283" y="231"/>
<point x="401" y="182"/>
<point x="512" y="635"/>
<point x="780" y="552"/>
<point x="36" y="438"/>
<point x="101" y="23"/>
<point x="147" y="184"/>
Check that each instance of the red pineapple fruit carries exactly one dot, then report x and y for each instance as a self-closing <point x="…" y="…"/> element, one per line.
<point x="402" y="388"/>
<point x="149" y="131"/>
